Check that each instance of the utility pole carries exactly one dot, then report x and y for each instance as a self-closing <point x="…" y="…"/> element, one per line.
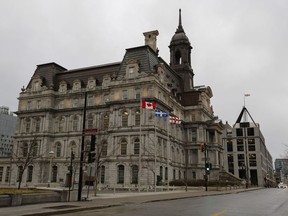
<point x="82" y="151"/>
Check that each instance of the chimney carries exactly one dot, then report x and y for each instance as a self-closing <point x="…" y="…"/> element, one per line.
<point x="151" y="38"/>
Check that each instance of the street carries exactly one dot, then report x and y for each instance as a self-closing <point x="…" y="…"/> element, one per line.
<point x="272" y="202"/>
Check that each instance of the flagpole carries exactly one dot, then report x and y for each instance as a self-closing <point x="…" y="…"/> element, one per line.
<point x="168" y="142"/>
<point x="140" y="144"/>
<point x="155" y="153"/>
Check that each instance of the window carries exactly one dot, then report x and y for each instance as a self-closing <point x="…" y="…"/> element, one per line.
<point x="230" y="160"/>
<point x="20" y="173"/>
<point x="134" y="174"/>
<point x="54" y="174"/>
<point x="239" y="132"/>
<point x="241" y="162"/>
<point x="252" y="160"/>
<point x="25" y="150"/>
<point x="137" y="117"/>
<point x="161" y="172"/>
<point x="125" y="118"/>
<point x="124" y="95"/>
<point x="37" y="124"/>
<point x="123" y="147"/>
<point x="250" y="131"/>
<point x="1" y="173"/>
<point x="38" y="104"/>
<point x="104" y="149"/>
<point x="106" y="121"/>
<point x="75" y="123"/>
<point x="131" y="72"/>
<point x="90" y="122"/>
<point x="7" y="177"/>
<point x="137" y="93"/>
<point x="27" y="125"/>
<point x="102" y="174"/>
<point x="229" y="145"/>
<point x="61" y="124"/>
<point x="58" y="149"/>
<point x="120" y="174"/>
<point x="136" y="146"/>
<point x="166" y="173"/>
<point x="251" y="145"/>
<point x="75" y="102"/>
<point x="29" y="105"/>
<point x="29" y="173"/>
<point x="240" y="145"/>
<point x="34" y="148"/>
<point x="194" y="135"/>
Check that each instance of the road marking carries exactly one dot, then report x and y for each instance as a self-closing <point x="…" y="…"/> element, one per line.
<point x="218" y="213"/>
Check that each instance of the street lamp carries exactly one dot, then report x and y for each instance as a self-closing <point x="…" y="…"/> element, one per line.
<point x="51" y="154"/>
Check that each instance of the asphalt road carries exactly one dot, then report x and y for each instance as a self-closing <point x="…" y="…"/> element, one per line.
<point x="271" y="201"/>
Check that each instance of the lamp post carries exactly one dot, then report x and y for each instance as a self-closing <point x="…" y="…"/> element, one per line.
<point x="51" y="154"/>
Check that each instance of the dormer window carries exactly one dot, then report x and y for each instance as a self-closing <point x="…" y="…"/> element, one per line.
<point x="63" y="87"/>
<point x="91" y="84"/>
<point x="36" y="83"/>
<point x="131" y="72"/>
<point x="132" y="69"/>
<point x="76" y="85"/>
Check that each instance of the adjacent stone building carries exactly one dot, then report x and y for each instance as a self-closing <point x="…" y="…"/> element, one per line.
<point x="133" y="146"/>
<point x="245" y="153"/>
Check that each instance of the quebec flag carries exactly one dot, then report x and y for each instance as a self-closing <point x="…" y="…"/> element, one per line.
<point x="159" y="113"/>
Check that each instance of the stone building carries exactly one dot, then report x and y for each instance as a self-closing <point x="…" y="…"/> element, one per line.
<point x="133" y="146"/>
<point x="245" y="153"/>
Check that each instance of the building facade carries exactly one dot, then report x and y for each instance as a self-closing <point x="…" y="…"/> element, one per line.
<point x="133" y="146"/>
<point x="7" y="131"/>
<point x="281" y="170"/>
<point x="245" y="153"/>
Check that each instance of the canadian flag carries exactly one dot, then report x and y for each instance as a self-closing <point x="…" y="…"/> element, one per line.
<point x="148" y="105"/>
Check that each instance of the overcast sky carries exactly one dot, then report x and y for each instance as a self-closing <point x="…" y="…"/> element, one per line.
<point x="239" y="46"/>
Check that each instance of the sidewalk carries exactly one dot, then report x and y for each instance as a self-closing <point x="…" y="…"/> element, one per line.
<point x="105" y="200"/>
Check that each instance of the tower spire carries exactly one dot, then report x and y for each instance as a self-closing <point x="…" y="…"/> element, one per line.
<point x="180" y="28"/>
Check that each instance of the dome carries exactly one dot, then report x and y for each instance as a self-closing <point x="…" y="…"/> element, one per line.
<point x="179" y="37"/>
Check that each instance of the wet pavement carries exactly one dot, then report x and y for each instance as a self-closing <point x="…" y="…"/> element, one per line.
<point x="106" y="200"/>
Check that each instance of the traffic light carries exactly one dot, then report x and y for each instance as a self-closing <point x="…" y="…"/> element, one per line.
<point x="92" y="153"/>
<point x="202" y="147"/>
<point x="208" y="166"/>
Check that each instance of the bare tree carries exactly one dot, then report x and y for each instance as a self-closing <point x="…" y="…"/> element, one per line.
<point x="27" y="156"/>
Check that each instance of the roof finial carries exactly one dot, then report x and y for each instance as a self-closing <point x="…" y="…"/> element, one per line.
<point x="180" y="28"/>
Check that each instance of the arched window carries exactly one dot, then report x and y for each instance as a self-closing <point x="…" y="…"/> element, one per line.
<point x="166" y="173"/>
<point x="34" y="148"/>
<point x="137" y="117"/>
<point x="123" y="147"/>
<point x="161" y="172"/>
<point x="106" y="121"/>
<point x="20" y="173"/>
<point x="54" y="174"/>
<point x="90" y="121"/>
<point x="58" y="149"/>
<point x="125" y="115"/>
<point x="120" y="174"/>
<point x="27" y="125"/>
<point x="29" y="173"/>
<point x="75" y="122"/>
<point x="104" y="149"/>
<point x="25" y="149"/>
<point x="61" y="124"/>
<point x="178" y="57"/>
<point x="102" y="174"/>
<point x="136" y="146"/>
<point x="134" y="174"/>
<point x="37" y="124"/>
